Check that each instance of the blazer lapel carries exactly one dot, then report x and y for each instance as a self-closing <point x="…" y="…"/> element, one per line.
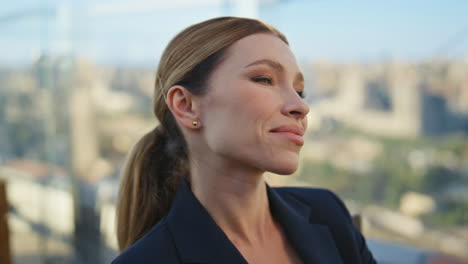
<point x="197" y="237"/>
<point x="313" y="242"/>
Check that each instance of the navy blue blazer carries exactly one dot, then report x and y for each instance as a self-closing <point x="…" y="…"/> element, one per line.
<point x="315" y="221"/>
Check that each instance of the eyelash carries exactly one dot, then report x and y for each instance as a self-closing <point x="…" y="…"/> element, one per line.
<point x="269" y="81"/>
<point x="263" y="79"/>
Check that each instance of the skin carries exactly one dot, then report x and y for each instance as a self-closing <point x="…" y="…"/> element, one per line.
<point x="254" y="91"/>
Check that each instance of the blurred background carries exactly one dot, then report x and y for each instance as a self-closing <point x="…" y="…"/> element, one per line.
<point x="387" y="84"/>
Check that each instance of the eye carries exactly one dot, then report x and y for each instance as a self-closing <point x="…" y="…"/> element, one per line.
<point x="301" y="94"/>
<point x="263" y="80"/>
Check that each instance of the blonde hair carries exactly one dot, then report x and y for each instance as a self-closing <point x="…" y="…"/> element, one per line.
<point x="158" y="163"/>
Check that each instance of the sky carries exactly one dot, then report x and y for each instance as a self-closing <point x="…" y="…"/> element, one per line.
<point x="135" y="32"/>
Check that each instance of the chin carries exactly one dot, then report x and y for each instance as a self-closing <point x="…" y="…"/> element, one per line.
<point x="284" y="171"/>
<point x="284" y="168"/>
<point x="285" y="164"/>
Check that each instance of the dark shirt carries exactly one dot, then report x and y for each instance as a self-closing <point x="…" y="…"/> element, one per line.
<point x="315" y="221"/>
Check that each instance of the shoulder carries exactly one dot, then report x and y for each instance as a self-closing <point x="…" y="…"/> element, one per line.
<point x="326" y="208"/>
<point x="306" y="192"/>
<point x="322" y="201"/>
<point x="329" y="210"/>
<point x="155" y="247"/>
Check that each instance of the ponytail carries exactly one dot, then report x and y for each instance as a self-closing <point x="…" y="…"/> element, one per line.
<point x="154" y="169"/>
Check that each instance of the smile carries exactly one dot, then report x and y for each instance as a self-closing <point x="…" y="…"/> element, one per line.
<point x="292" y="133"/>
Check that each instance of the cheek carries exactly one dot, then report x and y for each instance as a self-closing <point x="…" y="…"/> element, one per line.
<point x="243" y="103"/>
<point x="238" y="126"/>
<point x="255" y="114"/>
<point x="238" y="121"/>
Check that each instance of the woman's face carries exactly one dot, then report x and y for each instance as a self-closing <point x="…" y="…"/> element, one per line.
<point x="253" y="113"/>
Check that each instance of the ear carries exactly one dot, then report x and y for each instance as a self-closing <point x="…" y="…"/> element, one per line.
<point x="180" y="102"/>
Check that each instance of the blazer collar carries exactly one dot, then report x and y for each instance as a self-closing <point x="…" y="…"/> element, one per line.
<point x="199" y="239"/>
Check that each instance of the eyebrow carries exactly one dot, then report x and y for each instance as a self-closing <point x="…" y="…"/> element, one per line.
<point x="276" y="66"/>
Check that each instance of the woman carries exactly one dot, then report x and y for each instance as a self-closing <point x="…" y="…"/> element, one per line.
<point x="229" y="98"/>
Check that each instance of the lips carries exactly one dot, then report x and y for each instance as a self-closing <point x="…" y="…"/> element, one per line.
<point x="291" y="132"/>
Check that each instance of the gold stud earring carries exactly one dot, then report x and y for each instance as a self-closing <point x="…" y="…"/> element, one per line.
<point x="195" y="123"/>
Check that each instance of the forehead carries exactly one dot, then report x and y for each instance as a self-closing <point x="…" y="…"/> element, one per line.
<point x="260" y="47"/>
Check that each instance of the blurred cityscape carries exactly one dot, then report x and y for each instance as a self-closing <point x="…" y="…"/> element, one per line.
<point x="389" y="136"/>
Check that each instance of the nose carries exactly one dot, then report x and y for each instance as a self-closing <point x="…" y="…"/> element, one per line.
<point x="295" y="107"/>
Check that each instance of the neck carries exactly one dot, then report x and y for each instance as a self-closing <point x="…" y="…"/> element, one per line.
<point x="235" y="198"/>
